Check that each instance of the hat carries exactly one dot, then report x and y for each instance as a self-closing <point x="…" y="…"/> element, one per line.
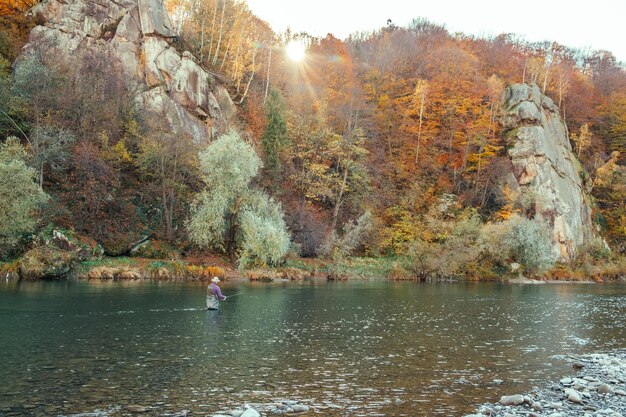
<point x="215" y="279"/>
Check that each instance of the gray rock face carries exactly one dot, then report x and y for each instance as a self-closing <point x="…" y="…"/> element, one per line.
<point x="546" y="179"/>
<point x="138" y="39"/>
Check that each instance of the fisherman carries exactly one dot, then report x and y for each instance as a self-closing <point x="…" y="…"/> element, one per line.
<point x="214" y="295"/>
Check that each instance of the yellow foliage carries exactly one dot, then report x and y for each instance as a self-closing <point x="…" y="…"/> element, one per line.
<point x="116" y="153"/>
<point x="507" y="210"/>
<point x="214" y="271"/>
<point x="121" y="152"/>
<point x="403" y="229"/>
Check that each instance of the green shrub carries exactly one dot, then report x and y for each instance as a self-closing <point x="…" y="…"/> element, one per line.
<point x="597" y="248"/>
<point x="531" y="245"/>
<point x="20" y="197"/>
<point x="230" y="214"/>
<point x="265" y="239"/>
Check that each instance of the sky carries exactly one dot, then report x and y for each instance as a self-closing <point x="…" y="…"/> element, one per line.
<point x="597" y="24"/>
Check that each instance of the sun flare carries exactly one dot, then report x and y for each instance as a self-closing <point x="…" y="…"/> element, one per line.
<point x="296" y="50"/>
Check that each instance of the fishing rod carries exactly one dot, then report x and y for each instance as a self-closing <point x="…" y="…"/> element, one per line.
<point x="234" y="295"/>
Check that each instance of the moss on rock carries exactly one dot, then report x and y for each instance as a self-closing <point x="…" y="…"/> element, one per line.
<point x="46" y="262"/>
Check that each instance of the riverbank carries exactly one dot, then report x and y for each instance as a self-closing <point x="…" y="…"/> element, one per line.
<point x="68" y="257"/>
<point x="597" y="388"/>
<point x="57" y="265"/>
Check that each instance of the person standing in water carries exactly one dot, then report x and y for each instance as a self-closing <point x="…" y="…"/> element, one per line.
<point x="214" y="295"/>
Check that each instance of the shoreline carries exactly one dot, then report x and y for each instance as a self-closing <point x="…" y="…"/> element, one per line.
<point x="598" y="388"/>
<point x="295" y="269"/>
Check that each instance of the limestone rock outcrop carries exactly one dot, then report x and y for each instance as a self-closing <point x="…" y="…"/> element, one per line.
<point x="138" y="39"/>
<point x="546" y="179"/>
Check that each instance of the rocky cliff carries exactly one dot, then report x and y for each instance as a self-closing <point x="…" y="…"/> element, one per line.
<point x="546" y="179"/>
<point x="137" y="38"/>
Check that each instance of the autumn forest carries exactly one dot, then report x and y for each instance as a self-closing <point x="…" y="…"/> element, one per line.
<point x="385" y="153"/>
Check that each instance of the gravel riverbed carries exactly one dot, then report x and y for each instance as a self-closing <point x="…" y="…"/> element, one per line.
<point x="596" y="388"/>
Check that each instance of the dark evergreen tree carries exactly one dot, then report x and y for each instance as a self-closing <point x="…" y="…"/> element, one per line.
<point x="275" y="137"/>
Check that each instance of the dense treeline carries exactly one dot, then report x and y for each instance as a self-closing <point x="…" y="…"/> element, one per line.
<point x="387" y="143"/>
<point x="395" y="119"/>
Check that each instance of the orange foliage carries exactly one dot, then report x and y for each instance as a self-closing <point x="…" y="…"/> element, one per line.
<point x="12" y="7"/>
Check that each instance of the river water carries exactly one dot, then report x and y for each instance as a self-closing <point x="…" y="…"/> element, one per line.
<point x="346" y="349"/>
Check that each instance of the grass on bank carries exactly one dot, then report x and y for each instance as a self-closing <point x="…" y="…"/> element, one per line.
<point x="353" y="268"/>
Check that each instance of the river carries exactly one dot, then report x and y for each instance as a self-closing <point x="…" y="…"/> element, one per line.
<point x="345" y="349"/>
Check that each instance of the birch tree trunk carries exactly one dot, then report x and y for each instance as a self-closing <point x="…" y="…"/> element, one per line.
<point x="219" y="39"/>
<point x="339" y="200"/>
<point x="236" y="67"/>
<point x="419" y="128"/>
<point x="213" y="28"/>
<point x="245" y="93"/>
<point x="267" y="81"/>
<point x="202" y="38"/>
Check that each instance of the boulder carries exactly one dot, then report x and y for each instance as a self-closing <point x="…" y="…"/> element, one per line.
<point x="605" y="389"/>
<point x="46" y="262"/>
<point x="573" y="395"/>
<point x="300" y="408"/>
<point x="512" y="399"/>
<point x="251" y="412"/>
<point x="83" y="247"/>
<point x="545" y="179"/>
<point x="128" y="274"/>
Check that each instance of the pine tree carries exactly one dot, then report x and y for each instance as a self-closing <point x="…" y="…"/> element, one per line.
<point x="275" y="137"/>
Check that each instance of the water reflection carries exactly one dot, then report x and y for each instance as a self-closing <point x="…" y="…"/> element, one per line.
<point x="345" y="348"/>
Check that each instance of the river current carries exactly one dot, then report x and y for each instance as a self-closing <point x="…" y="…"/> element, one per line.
<point x="345" y="349"/>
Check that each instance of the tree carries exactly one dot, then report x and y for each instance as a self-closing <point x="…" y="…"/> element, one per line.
<point x="582" y="140"/>
<point x="265" y="239"/>
<point x="50" y="147"/>
<point x="610" y="192"/>
<point x="230" y="214"/>
<point x="612" y="123"/>
<point x="531" y="245"/>
<point x="20" y="197"/>
<point x="328" y="168"/>
<point x="275" y="137"/>
<point x="166" y="159"/>
<point x="39" y="83"/>
<point x="12" y="110"/>
<point x="421" y="91"/>
<point x="338" y="247"/>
